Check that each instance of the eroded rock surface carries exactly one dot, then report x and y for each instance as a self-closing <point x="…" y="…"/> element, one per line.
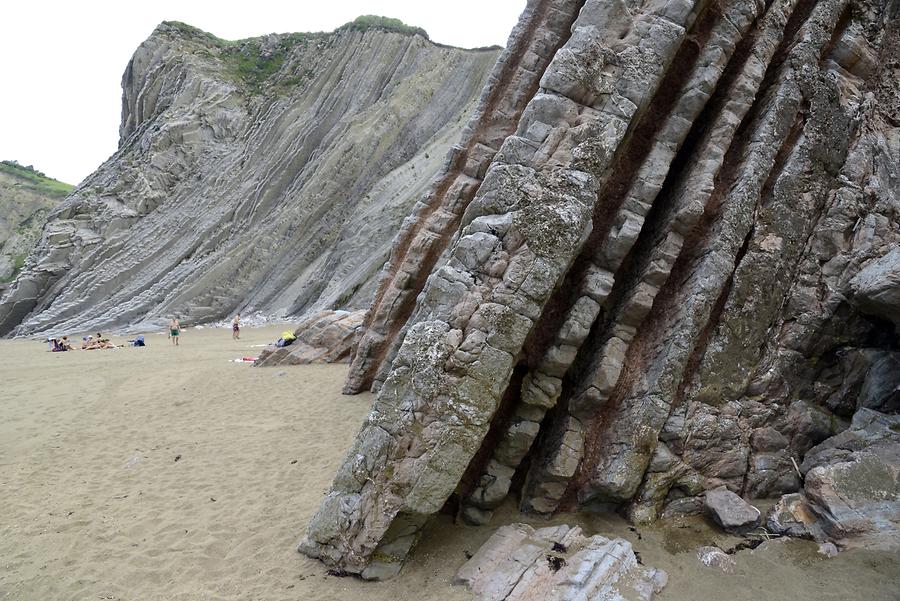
<point x="559" y="563"/>
<point x="851" y="493"/>
<point x="266" y="175"/>
<point x="649" y="289"/>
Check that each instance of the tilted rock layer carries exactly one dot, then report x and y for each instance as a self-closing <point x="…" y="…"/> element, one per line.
<point x="655" y="285"/>
<point x="265" y="175"/>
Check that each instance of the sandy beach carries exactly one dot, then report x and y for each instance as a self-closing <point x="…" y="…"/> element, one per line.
<point x="175" y="474"/>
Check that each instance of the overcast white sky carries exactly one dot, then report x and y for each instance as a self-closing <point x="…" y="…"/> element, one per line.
<point x="60" y="101"/>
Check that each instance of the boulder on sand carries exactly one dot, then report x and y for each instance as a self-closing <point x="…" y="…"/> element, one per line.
<point x="730" y="511"/>
<point x="323" y="337"/>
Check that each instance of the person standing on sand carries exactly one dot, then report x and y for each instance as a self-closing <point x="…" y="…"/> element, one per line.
<point x="236" y="327"/>
<point x="174" y="330"/>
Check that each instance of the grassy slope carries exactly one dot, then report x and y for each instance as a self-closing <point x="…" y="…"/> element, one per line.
<point x="26" y="197"/>
<point x="32" y="179"/>
<point x="250" y="65"/>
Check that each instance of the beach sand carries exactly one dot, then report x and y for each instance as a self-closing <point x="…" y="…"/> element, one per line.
<point x="174" y="474"/>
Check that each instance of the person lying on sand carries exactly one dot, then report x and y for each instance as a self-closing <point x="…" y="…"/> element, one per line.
<point x="92" y="343"/>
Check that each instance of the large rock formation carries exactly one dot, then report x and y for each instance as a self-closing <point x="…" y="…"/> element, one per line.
<point x="643" y="275"/>
<point x="26" y="198"/>
<point x="268" y="175"/>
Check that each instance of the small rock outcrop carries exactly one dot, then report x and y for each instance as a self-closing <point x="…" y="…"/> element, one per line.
<point x="557" y="563"/>
<point x="323" y="337"/>
<point x="642" y="278"/>
<point x="265" y="175"/>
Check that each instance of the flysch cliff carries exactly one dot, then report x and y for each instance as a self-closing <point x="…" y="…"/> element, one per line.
<point x="665" y="264"/>
<point x="269" y="174"/>
<point x="26" y="198"/>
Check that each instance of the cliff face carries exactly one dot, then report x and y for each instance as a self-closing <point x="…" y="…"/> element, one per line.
<point x="26" y="198"/>
<point x="673" y="273"/>
<point x="264" y="175"/>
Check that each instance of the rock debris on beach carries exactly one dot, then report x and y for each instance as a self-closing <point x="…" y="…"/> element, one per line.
<point x="558" y="563"/>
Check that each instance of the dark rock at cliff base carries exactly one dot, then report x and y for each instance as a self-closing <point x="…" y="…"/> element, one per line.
<point x="858" y="501"/>
<point x="876" y="289"/>
<point x="881" y="388"/>
<point x="868" y="429"/>
<point x="851" y="495"/>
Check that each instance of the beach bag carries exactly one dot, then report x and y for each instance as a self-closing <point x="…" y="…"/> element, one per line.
<point x="139" y="341"/>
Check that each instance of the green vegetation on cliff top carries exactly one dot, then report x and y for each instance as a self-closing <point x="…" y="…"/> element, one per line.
<point x="254" y="60"/>
<point x="366" y="22"/>
<point x="361" y="23"/>
<point x="33" y="179"/>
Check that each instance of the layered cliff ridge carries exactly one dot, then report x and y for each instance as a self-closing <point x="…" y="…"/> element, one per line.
<point x="26" y="198"/>
<point x="661" y="262"/>
<point x="268" y="174"/>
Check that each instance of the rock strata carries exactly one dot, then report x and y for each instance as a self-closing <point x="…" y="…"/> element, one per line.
<point x="652" y="289"/>
<point x="263" y="175"/>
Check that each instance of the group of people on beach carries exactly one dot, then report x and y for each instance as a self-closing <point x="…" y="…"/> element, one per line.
<point x="58" y="345"/>
<point x="88" y="343"/>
